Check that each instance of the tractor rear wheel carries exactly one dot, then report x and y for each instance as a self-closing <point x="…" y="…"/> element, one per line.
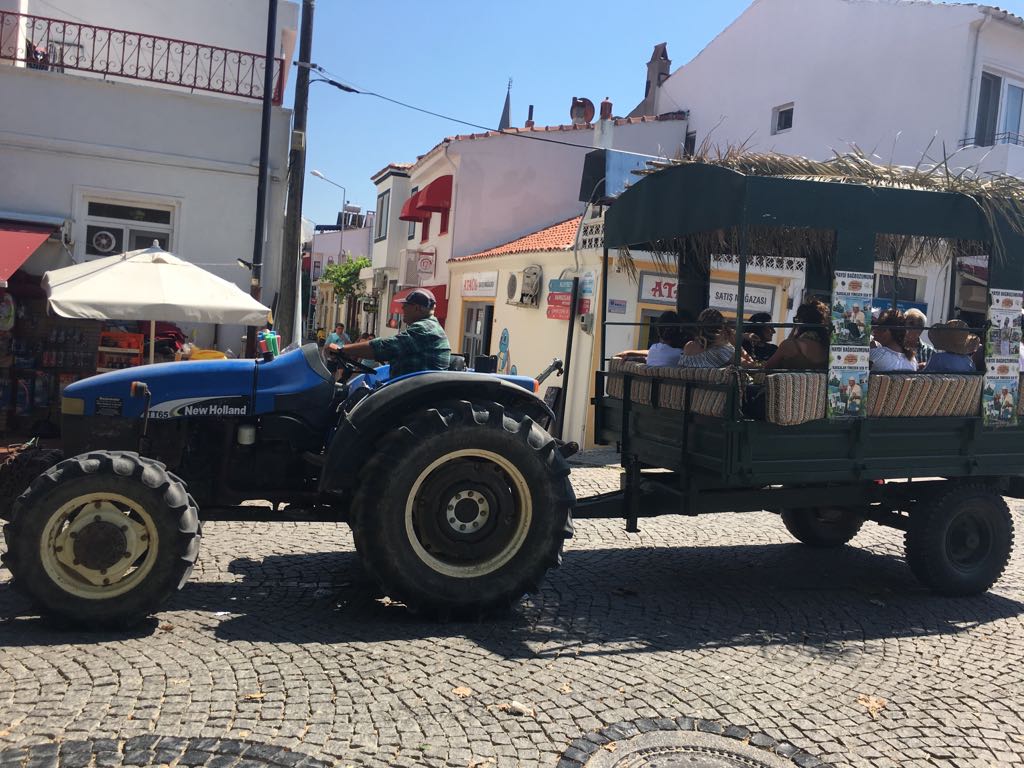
<point x="463" y="509"/>
<point x="103" y="538"/>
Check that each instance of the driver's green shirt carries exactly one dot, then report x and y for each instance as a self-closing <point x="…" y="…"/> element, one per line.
<point x="423" y="346"/>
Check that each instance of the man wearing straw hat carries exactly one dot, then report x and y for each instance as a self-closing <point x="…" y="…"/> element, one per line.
<point x="954" y="344"/>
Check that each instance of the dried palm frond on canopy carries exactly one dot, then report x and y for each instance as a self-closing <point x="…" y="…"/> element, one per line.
<point x="999" y="196"/>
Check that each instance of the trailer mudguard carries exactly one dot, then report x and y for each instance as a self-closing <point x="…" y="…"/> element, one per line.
<point x="388" y="406"/>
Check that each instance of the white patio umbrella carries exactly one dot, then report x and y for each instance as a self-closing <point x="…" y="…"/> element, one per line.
<point x="149" y="284"/>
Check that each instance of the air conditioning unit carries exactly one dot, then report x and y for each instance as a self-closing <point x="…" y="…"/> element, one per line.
<point x="380" y="281"/>
<point x="524" y="287"/>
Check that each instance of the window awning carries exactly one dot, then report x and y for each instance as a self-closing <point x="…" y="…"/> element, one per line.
<point x="411" y="210"/>
<point x="440" y="295"/>
<point x="437" y="195"/>
<point x="18" y="241"/>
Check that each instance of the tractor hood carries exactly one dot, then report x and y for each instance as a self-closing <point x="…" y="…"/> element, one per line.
<point x="207" y="388"/>
<point x="203" y="387"/>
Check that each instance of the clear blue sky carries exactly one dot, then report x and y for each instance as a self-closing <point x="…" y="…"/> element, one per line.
<point x="455" y="58"/>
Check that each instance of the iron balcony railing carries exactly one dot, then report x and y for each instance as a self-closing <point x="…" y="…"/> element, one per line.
<point x="57" y="45"/>
<point x="993" y="139"/>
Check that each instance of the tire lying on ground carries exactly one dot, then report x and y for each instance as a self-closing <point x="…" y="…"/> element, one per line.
<point x="822" y="527"/>
<point x="102" y="539"/>
<point x="463" y="509"/>
<point x="960" y="542"/>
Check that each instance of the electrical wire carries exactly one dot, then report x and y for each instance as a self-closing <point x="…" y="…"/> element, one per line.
<point x="351" y="89"/>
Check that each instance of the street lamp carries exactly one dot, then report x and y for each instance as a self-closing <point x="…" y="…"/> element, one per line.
<point x="344" y="196"/>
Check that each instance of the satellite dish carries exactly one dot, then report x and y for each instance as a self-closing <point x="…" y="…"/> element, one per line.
<point x="581" y="111"/>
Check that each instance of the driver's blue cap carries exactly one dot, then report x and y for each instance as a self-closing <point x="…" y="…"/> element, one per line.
<point x="421" y="297"/>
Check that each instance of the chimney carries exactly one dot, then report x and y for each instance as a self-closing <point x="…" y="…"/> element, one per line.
<point x="606" y="109"/>
<point x="529" y="117"/>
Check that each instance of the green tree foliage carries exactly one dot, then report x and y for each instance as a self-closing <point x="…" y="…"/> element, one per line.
<point x="345" y="277"/>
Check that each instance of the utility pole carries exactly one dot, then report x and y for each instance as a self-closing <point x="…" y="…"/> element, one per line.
<point x="287" y="309"/>
<point x="255" y="288"/>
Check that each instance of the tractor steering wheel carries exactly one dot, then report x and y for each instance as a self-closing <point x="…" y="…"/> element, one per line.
<point x="354" y="366"/>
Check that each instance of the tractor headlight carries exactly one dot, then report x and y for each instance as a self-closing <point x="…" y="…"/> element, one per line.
<point x="72" y="406"/>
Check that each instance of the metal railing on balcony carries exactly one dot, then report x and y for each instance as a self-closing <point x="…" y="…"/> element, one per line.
<point x="57" y="45"/>
<point x="993" y="139"/>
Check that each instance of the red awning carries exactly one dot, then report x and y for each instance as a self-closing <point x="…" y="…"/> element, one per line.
<point x="440" y="294"/>
<point x="437" y="195"/>
<point x="411" y="210"/>
<point x="18" y="242"/>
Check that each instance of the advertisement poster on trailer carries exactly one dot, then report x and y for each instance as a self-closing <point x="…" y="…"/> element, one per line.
<point x="851" y="307"/>
<point x="999" y="397"/>
<point x="847" y="382"/>
<point x="1004" y="314"/>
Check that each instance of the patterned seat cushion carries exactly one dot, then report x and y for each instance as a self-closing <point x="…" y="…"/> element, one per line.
<point x="795" y="398"/>
<point x="924" y="394"/>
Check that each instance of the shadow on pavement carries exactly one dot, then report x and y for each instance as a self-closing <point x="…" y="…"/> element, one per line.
<point x="666" y="598"/>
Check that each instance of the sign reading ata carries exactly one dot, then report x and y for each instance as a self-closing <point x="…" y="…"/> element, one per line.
<point x="480" y="284"/>
<point x="756" y="298"/>
<point x="656" y="288"/>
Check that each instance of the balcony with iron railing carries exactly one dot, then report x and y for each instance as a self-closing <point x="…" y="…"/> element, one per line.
<point x="56" y="45"/>
<point x="992" y="140"/>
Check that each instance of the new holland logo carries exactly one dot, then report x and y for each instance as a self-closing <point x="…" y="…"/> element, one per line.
<point x="215" y="407"/>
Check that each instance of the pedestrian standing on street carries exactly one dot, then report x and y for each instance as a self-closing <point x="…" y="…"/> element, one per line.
<point x="338" y="336"/>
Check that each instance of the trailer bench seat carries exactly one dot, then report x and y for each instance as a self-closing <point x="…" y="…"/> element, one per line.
<point x="672" y="386"/>
<point x="795" y="397"/>
<point x="924" y="394"/>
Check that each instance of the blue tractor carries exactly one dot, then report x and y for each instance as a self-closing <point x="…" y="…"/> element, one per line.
<point x="458" y="497"/>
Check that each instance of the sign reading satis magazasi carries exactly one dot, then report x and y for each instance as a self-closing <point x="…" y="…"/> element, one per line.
<point x="483" y="284"/>
<point x="756" y="298"/>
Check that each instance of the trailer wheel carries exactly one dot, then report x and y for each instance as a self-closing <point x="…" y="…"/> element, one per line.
<point x="103" y="538"/>
<point x="961" y="543"/>
<point x="463" y="509"/>
<point x="20" y="471"/>
<point x="822" y="527"/>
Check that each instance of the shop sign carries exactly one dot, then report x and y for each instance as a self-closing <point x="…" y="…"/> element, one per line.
<point x="755" y="299"/>
<point x="480" y="284"/>
<point x="559" y="305"/>
<point x="656" y="288"/>
<point x="425" y="264"/>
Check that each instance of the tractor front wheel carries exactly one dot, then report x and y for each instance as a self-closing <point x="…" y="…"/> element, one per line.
<point x="103" y="538"/>
<point x="463" y="509"/>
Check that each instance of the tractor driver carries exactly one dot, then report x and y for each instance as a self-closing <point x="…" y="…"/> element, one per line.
<point x="422" y="346"/>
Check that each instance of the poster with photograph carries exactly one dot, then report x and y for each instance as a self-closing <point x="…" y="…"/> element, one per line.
<point x="851" y="308"/>
<point x="847" y="382"/>
<point x="999" y="396"/>
<point x="1004" y="315"/>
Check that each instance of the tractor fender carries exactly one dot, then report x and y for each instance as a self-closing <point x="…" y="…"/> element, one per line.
<point x="385" y="408"/>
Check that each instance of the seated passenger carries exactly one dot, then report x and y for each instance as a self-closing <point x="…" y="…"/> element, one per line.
<point x="757" y="342"/>
<point x="888" y="348"/>
<point x="669" y="340"/>
<point x="954" y="345"/>
<point x="916" y="322"/>
<point x="713" y="347"/>
<point x="807" y="345"/>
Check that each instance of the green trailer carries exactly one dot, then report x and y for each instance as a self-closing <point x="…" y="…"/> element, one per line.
<point x="921" y="457"/>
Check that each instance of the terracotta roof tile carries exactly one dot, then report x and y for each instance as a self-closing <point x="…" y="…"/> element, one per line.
<point x="392" y="167"/>
<point x="558" y="237"/>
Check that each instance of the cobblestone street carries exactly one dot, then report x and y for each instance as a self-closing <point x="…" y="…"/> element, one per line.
<point x="280" y="648"/>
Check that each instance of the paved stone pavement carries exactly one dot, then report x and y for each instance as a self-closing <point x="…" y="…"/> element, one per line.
<point x="280" y="643"/>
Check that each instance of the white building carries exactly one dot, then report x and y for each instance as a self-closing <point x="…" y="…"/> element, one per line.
<point x="897" y="78"/>
<point x="476" y="191"/>
<point x="118" y="133"/>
